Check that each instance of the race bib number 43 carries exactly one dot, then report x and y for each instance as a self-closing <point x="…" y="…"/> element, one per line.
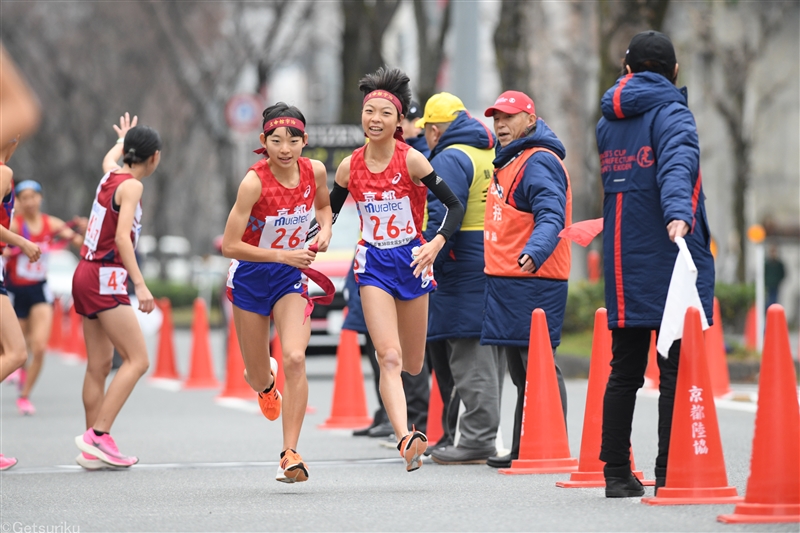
<point x="387" y="223"/>
<point x="112" y="280"/>
<point x="94" y="226"/>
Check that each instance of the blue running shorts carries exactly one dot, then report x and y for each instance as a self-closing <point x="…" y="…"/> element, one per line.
<point x="257" y="287"/>
<point x="390" y="270"/>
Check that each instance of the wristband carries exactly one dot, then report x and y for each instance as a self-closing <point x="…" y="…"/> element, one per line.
<point x="121" y="140"/>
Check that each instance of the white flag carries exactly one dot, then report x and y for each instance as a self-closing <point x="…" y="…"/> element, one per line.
<point x="682" y="295"/>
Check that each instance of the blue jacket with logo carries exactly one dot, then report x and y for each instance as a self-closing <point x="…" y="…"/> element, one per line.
<point x="650" y="164"/>
<point x="542" y="191"/>
<point x="463" y="159"/>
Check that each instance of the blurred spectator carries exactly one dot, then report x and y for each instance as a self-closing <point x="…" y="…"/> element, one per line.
<point x="462" y="151"/>
<point x="413" y="134"/>
<point x="774" y="272"/>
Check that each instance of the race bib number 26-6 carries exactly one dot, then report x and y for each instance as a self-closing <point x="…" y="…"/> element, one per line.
<point x="387" y="223"/>
<point x="112" y="280"/>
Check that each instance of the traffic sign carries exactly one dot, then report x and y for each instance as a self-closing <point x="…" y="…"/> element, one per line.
<point x="243" y="112"/>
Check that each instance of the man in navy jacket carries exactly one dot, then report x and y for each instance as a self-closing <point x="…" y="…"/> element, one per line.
<point x="462" y="150"/>
<point x="650" y="164"/>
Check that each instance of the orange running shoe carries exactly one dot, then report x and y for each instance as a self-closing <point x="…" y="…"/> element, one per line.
<point x="411" y="447"/>
<point x="291" y="469"/>
<point x="270" y="401"/>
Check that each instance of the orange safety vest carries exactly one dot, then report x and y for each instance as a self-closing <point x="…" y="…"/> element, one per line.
<point x="507" y="230"/>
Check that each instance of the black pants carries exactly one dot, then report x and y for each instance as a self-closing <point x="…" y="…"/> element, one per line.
<point x="630" y="348"/>
<point x="438" y="357"/>
<point x="517" y="358"/>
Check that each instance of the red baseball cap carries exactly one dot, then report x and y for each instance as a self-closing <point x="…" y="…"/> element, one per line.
<point x="512" y="102"/>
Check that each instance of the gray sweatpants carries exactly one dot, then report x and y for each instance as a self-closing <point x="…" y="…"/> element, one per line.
<point x="475" y="375"/>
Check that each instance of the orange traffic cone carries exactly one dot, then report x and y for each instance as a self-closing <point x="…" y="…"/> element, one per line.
<point x="750" y="329"/>
<point x="544" y="447"/>
<point x="165" y="357"/>
<point x="349" y="409"/>
<point x="773" y="488"/>
<point x="652" y="375"/>
<point x="593" y="266"/>
<point x="201" y="371"/>
<point x="590" y="467"/>
<point x="235" y="385"/>
<point x="56" y="332"/>
<point x="276" y="352"/>
<point x="715" y="353"/>
<point x="76" y="346"/>
<point x="435" y="432"/>
<point x="696" y="467"/>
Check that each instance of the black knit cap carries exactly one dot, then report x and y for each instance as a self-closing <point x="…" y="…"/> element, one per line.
<point x="414" y="111"/>
<point x="650" y="46"/>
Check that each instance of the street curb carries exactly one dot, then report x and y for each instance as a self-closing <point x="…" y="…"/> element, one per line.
<point x="577" y="367"/>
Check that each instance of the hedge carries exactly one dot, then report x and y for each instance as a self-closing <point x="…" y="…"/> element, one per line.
<point x="584" y="298"/>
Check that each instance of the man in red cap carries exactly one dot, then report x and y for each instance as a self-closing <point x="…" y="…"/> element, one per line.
<point x="527" y="265"/>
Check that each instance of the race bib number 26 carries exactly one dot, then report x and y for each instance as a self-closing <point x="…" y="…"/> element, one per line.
<point x="112" y="280"/>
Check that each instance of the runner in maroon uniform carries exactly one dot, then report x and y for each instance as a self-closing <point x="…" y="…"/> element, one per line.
<point x="100" y="293"/>
<point x="27" y="282"/>
<point x="266" y="237"/>
<point x="393" y="264"/>
<point x="12" y="342"/>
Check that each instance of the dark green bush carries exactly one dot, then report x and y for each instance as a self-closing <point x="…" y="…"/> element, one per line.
<point x="734" y="301"/>
<point x="179" y="294"/>
<point x="583" y="300"/>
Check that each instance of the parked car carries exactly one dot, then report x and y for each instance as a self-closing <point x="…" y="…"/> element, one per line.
<point x="61" y="267"/>
<point x="326" y="320"/>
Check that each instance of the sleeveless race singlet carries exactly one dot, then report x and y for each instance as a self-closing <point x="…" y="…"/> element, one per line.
<point x="390" y="204"/>
<point x="20" y="270"/>
<point x="280" y="218"/>
<point x="99" y="243"/>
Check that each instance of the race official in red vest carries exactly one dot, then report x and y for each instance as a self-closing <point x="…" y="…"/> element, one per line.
<point x="527" y="265"/>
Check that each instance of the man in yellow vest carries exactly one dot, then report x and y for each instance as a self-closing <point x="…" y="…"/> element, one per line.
<point x="462" y="150"/>
<point x="527" y="264"/>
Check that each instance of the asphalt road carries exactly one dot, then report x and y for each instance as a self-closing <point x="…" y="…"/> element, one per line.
<point x="211" y="467"/>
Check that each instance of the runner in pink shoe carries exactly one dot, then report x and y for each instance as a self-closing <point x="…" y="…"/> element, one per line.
<point x="27" y="282"/>
<point x="13" y="352"/>
<point x="99" y="287"/>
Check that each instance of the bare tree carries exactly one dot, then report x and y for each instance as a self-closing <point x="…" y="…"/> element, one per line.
<point x="736" y="60"/>
<point x="619" y="22"/>
<point x="430" y="45"/>
<point x="512" y="43"/>
<point x="364" y="25"/>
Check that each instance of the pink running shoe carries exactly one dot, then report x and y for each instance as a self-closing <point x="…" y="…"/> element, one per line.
<point x="103" y="448"/>
<point x="25" y="407"/>
<point x="89" y="462"/>
<point x="14" y="377"/>
<point x="6" y="462"/>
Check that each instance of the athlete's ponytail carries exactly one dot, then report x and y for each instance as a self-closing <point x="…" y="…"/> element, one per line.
<point x="141" y="143"/>
<point x="393" y="80"/>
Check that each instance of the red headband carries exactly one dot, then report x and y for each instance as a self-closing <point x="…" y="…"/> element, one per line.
<point x="282" y="122"/>
<point x="386" y="95"/>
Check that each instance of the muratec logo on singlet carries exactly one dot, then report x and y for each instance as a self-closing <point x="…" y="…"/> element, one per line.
<point x="299" y="216"/>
